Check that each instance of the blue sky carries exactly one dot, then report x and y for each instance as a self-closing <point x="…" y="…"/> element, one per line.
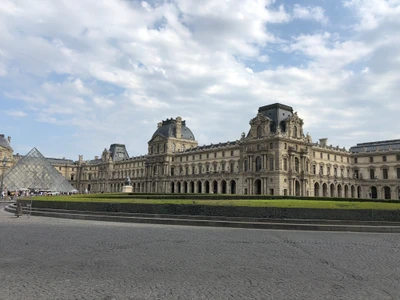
<point x="77" y="76"/>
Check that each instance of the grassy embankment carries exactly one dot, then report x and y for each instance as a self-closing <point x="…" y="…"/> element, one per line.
<point x="286" y="203"/>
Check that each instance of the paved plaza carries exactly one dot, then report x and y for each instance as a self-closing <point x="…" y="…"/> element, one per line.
<point x="45" y="258"/>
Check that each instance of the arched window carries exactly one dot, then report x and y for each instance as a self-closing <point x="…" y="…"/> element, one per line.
<point x="258" y="164"/>
<point x="285" y="164"/>
<point x="259" y="132"/>
<point x="246" y="165"/>
<point x="295" y="131"/>
<point x="296" y="164"/>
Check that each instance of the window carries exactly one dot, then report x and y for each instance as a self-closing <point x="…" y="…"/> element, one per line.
<point x="355" y="160"/>
<point x="187" y="158"/>
<point x="398" y="157"/>
<point x="172" y="171"/>
<point x="200" y="156"/>
<point x="187" y="170"/>
<point x="223" y="153"/>
<point x="231" y="152"/>
<point x="335" y="157"/>
<point x="320" y="155"/>
<point x="271" y="146"/>
<point x="232" y="167"/>
<point x="285" y="145"/>
<point x="285" y="164"/>
<point x="223" y="166"/>
<point x="385" y="174"/>
<point x="72" y="176"/>
<point x="208" y="155"/>
<point x="271" y="164"/>
<point x="258" y="164"/>
<point x="328" y="171"/>
<point x="314" y="169"/>
<point x="371" y="159"/>
<point x="335" y="171"/>
<point x="384" y="158"/>
<point x="295" y="132"/>
<point x="259" y="132"/>
<point x="321" y="170"/>
<point x="180" y="158"/>
<point x="246" y="165"/>
<point x="356" y="174"/>
<point x="215" y="155"/>
<point x="398" y="173"/>
<point x="329" y="156"/>
<point x="313" y="154"/>
<point x="193" y="157"/>
<point x="371" y="174"/>
<point x="296" y="164"/>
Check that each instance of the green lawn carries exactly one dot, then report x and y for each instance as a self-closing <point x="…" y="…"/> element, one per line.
<point x="281" y="203"/>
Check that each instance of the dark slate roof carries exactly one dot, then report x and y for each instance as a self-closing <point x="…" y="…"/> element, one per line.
<point x="60" y="161"/>
<point x="4" y="142"/>
<point x="211" y="146"/>
<point x="168" y="129"/>
<point x="376" y="146"/>
<point x="118" y="152"/>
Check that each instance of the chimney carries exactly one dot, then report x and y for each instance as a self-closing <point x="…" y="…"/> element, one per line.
<point x="96" y="157"/>
<point x="323" y="142"/>
<point x="9" y="139"/>
<point x="178" y="127"/>
<point x="159" y="124"/>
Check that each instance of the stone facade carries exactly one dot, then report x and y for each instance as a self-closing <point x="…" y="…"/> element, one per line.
<point x="275" y="157"/>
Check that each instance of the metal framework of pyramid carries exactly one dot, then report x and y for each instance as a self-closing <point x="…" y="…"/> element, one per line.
<point x="35" y="172"/>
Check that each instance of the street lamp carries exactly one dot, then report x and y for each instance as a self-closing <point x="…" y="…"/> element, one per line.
<point x="2" y="174"/>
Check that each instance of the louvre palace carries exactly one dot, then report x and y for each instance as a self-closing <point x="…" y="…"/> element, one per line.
<point x="275" y="157"/>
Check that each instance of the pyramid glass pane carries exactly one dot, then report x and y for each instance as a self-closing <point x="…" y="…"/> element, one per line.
<point x="35" y="172"/>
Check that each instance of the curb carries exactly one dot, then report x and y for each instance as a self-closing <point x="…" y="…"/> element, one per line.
<point x="187" y="221"/>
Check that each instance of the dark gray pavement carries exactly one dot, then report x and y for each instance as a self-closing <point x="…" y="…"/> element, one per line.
<point x="47" y="258"/>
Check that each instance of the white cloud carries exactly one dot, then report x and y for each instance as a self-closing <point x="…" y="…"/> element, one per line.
<point x="103" y="103"/>
<point x="315" y="13"/>
<point x="106" y="66"/>
<point x="16" y="113"/>
<point x="372" y="13"/>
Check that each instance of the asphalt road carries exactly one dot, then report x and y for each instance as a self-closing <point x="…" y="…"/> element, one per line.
<point x="45" y="258"/>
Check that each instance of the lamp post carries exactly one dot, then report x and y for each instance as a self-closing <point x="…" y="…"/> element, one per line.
<point x="4" y="162"/>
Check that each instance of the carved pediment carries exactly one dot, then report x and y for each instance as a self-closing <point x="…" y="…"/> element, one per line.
<point x="295" y="119"/>
<point x="260" y="118"/>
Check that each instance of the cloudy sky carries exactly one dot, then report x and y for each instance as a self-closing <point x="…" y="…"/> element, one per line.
<point x="79" y="75"/>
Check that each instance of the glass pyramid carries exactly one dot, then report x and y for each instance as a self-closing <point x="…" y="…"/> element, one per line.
<point x="35" y="172"/>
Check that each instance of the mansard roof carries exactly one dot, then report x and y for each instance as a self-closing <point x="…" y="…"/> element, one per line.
<point x="376" y="146"/>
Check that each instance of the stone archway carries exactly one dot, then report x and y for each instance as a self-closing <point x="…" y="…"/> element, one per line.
<point x="387" y="193"/>
<point x="199" y="187"/>
<point x="374" y="192"/>
<point x="215" y="187"/>
<point x="191" y="187"/>
<point x="233" y="187"/>
<point x="172" y="187"/>
<point x="257" y="187"/>
<point x="207" y="187"/>
<point x="325" y="190"/>
<point x="346" y="191"/>
<point x="297" y="189"/>
<point x="179" y="187"/>
<point x="339" y="191"/>
<point x="316" y="189"/>
<point x="332" y="190"/>
<point x="223" y="187"/>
